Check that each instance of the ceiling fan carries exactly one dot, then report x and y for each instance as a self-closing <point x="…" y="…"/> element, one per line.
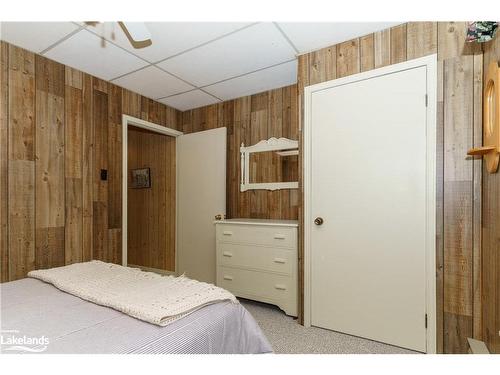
<point x="136" y="32"/>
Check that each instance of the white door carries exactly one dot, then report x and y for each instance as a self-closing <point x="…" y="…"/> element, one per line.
<point x="368" y="184"/>
<point x="201" y="163"/>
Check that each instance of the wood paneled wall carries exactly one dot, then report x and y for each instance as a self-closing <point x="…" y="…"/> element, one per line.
<point x="249" y="120"/>
<point x="460" y="73"/>
<point x="151" y="212"/>
<point x="58" y="128"/>
<point x="491" y="237"/>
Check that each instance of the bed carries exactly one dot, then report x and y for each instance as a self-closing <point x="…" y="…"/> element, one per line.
<point x="34" y="309"/>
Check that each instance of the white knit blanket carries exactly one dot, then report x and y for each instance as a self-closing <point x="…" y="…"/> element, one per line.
<point x="147" y="296"/>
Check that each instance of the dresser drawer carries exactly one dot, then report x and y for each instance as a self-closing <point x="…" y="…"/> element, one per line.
<point x="257" y="257"/>
<point x="255" y="284"/>
<point x="259" y="235"/>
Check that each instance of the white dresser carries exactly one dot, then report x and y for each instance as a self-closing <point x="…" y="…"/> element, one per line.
<point x="257" y="259"/>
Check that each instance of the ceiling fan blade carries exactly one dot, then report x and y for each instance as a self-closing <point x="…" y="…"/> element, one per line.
<point x="137" y="33"/>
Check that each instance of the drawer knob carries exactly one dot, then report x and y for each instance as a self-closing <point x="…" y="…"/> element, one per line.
<point x="280" y="287"/>
<point x="279" y="260"/>
<point x="227" y="254"/>
<point x="227" y="233"/>
<point x="279" y="236"/>
<point x="228" y="277"/>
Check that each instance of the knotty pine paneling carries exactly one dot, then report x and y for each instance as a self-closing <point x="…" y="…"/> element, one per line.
<point x="249" y="120"/>
<point x="477" y="324"/>
<point x="367" y="53"/>
<point x="21" y="159"/>
<point x="131" y="103"/>
<point x="73" y="233"/>
<point x="323" y="65"/>
<point x="58" y="128"/>
<point x="100" y="157"/>
<point x="100" y="232"/>
<point x="382" y="48"/>
<point x="422" y="39"/>
<point x="4" y="160"/>
<point x="398" y="44"/>
<point x="74" y="157"/>
<point x="491" y="236"/>
<point x="114" y="156"/>
<point x="459" y="196"/>
<point x="458" y="201"/>
<point x="49" y="163"/>
<point x="348" y="58"/>
<point x="87" y="167"/>
<point x="440" y="208"/>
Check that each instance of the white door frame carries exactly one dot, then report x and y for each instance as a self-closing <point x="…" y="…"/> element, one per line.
<point x="138" y="123"/>
<point x="430" y="62"/>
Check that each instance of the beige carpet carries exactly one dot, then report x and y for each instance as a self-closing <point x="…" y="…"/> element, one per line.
<point x="288" y="337"/>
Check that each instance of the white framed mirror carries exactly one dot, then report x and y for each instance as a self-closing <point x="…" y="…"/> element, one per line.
<point x="271" y="164"/>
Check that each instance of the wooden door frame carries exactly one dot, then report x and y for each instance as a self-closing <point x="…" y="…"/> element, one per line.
<point x="138" y="123"/>
<point x="430" y="62"/>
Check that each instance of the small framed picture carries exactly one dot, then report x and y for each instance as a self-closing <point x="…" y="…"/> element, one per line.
<point x="141" y="178"/>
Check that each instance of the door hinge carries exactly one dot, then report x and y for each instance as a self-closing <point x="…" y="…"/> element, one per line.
<point x="426" y="100"/>
<point x="425" y="320"/>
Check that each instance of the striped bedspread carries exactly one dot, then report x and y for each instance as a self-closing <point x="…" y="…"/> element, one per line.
<point x="33" y="309"/>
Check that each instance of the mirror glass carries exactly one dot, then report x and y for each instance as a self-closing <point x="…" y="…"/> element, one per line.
<point x="274" y="166"/>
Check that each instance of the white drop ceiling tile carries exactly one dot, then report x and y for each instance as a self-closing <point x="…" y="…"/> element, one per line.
<point x="35" y="36"/>
<point x="189" y="100"/>
<point x="153" y="83"/>
<point x="309" y="36"/>
<point x="263" y="80"/>
<point x="169" y="38"/>
<point x="84" y="51"/>
<point x="247" y="50"/>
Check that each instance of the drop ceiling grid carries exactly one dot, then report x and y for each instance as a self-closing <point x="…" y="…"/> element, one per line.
<point x="201" y="87"/>
<point x="254" y="48"/>
<point x="172" y="38"/>
<point x="149" y="64"/>
<point x="190" y="100"/>
<point x="28" y="35"/>
<point x="83" y="51"/>
<point x="277" y="44"/>
<point x="188" y="86"/>
<point x="270" y="78"/>
<point x="153" y="82"/>
<point x="196" y="88"/>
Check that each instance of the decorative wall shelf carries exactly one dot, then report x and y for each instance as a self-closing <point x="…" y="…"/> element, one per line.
<point x="491" y="117"/>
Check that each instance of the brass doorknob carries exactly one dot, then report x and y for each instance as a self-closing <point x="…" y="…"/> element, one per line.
<point x="318" y="221"/>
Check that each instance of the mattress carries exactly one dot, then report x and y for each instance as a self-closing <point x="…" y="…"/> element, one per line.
<point x="36" y="317"/>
